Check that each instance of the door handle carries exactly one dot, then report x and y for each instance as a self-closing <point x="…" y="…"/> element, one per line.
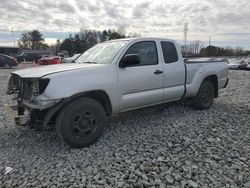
<point x="158" y="72"/>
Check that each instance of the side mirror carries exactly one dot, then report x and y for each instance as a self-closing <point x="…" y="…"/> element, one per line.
<point x="130" y="59"/>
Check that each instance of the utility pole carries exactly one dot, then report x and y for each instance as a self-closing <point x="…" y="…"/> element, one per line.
<point x="185" y="34"/>
<point x="209" y="41"/>
<point x="13" y="37"/>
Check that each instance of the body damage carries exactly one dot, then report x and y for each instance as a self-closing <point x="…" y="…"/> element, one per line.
<point x="79" y="79"/>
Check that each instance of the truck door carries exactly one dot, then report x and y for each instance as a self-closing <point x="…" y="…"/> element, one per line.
<point x="141" y="84"/>
<point x="174" y="71"/>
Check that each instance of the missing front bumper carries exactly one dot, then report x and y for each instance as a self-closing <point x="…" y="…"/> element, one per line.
<point x="12" y="111"/>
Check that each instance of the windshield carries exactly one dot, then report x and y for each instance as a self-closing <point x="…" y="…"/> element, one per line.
<point x="75" y="56"/>
<point x="102" y="53"/>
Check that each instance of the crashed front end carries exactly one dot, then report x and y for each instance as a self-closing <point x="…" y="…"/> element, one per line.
<point x="31" y="103"/>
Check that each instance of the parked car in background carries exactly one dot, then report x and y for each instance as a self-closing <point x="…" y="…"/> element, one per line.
<point x="50" y="60"/>
<point x="7" y="62"/>
<point x="248" y="66"/>
<point x="45" y="56"/>
<point x="71" y="59"/>
<point x="237" y="64"/>
<point x="63" y="53"/>
<point x="29" y="57"/>
<point x="60" y="55"/>
<point x="248" y="63"/>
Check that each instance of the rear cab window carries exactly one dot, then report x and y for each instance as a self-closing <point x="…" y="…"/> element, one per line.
<point x="169" y="52"/>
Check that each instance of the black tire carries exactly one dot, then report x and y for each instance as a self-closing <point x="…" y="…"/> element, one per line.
<point x="7" y="66"/>
<point x="81" y="122"/>
<point x="205" y="97"/>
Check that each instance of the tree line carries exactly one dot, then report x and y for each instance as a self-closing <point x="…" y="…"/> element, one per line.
<point x="32" y="40"/>
<point x="85" y="39"/>
<point x="76" y="43"/>
<point x="197" y="49"/>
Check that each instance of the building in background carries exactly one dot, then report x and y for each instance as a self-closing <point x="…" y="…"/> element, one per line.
<point x="10" y="51"/>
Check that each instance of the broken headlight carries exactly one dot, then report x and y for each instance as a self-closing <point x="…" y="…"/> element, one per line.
<point x="43" y="83"/>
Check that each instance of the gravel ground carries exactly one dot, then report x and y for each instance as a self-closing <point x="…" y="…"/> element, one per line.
<point x="169" y="145"/>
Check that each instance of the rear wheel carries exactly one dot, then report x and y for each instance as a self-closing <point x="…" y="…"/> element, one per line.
<point x="7" y="66"/>
<point x="205" y="97"/>
<point x="81" y="122"/>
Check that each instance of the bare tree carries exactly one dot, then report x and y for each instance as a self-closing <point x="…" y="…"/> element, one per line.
<point x="238" y="51"/>
<point x="121" y="30"/>
<point x="89" y="38"/>
<point x="197" y="46"/>
<point x="192" y="48"/>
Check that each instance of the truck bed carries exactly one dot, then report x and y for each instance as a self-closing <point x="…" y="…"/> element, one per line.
<point x="204" y="60"/>
<point x="197" y="69"/>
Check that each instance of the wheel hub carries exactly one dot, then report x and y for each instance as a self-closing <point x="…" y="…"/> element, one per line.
<point x="84" y="123"/>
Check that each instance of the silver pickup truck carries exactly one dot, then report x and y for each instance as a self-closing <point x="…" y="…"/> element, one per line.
<point x="110" y="78"/>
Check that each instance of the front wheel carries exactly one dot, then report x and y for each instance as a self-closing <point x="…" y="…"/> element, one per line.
<point x="81" y="122"/>
<point x="205" y="97"/>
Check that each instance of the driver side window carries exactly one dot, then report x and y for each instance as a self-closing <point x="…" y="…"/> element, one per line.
<point x="147" y="52"/>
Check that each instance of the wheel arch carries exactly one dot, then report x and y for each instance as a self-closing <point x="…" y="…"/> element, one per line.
<point x="214" y="80"/>
<point x="98" y="95"/>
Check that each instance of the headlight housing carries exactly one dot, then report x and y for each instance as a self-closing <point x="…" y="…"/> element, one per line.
<point x="43" y="83"/>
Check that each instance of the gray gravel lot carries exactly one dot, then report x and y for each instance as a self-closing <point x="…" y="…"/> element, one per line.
<point x="170" y="145"/>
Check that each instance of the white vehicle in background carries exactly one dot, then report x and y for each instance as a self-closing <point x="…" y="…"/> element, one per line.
<point x="248" y="62"/>
<point x="108" y="79"/>
<point x="71" y="59"/>
<point x="237" y="63"/>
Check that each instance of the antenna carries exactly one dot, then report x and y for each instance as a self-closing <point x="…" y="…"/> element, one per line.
<point x="13" y="37"/>
<point x="185" y="33"/>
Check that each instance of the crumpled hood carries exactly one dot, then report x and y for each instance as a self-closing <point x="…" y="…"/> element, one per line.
<point x="38" y="72"/>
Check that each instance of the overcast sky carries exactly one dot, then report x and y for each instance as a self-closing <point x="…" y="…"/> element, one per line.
<point x="227" y="21"/>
